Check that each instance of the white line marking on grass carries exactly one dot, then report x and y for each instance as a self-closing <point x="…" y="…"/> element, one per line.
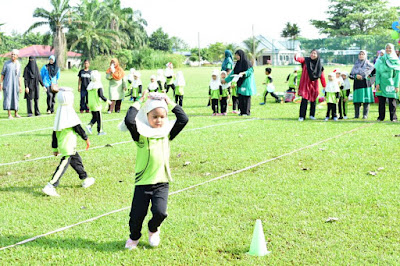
<point x="124" y="142"/>
<point x="190" y="187"/>
<point x="46" y="128"/>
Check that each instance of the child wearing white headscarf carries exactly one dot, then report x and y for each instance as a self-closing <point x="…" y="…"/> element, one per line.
<point x="153" y="86"/>
<point x="95" y="93"/>
<point x="66" y="126"/>
<point x="344" y="95"/>
<point x="169" y="75"/>
<point x="179" y="87"/>
<point x="214" y="92"/>
<point x="332" y="95"/>
<point x="136" y="85"/>
<point x="160" y="79"/>
<point x="152" y="131"/>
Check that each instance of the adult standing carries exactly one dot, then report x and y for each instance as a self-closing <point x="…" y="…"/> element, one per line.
<point x="117" y="85"/>
<point x="387" y="82"/>
<point x="362" y="87"/>
<point x="309" y="87"/>
<point x="83" y="83"/>
<point x="10" y="83"/>
<point x="50" y="74"/>
<point x="246" y="85"/>
<point x="32" y="79"/>
<point x="227" y="64"/>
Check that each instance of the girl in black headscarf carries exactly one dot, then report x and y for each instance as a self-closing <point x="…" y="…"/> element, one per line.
<point x="32" y="79"/>
<point x="246" y="86"/>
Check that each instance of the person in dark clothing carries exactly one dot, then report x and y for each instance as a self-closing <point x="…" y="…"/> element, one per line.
<point x="83" y="82"/>
<point x="32" y="79"/>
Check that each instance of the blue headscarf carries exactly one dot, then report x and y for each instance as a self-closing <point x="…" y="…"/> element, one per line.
<point x="228" y="59"/>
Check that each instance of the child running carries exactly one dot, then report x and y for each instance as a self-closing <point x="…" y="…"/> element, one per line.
<point x="66" y="126"/>
<point x="332" y="95"/>
<point x="179" y="87"/>
<point x="152" y="132"/>
<point x="95" y="93"/>
<point x="226" y="91"/>
<point x="215" y="89"/>
<point x="270" y="88"/>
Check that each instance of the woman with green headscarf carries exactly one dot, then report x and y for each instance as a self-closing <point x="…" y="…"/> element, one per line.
<point x="228" y="61"/>
<point x="387" y="82"/>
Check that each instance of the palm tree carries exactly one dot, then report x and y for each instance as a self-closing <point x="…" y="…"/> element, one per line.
<point x="88" y="32"/>
<point x="292" y="32"/>
<point x="58" y="20"/>
<point x="251" y="49"/>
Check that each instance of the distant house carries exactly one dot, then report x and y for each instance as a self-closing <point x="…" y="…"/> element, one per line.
<point x="277" y="52"/>
<point x="44" y="52"/>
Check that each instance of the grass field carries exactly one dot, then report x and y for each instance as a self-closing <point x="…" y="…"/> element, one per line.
<point x="321" y="171"/>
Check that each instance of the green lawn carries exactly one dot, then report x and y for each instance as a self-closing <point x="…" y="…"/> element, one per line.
<point x="323" y="173"/>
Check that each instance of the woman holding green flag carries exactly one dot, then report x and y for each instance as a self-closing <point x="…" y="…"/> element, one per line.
<point x="387" y="82"/>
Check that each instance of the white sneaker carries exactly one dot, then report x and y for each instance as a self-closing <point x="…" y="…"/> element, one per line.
<point x="50" y="190"/>
<point x="345" y="117"/>
<point x="154" y="238"/>
<point x="312" y="117"/>
<point x="89" y="129"/>
<point x="326" y="118"/>
<point x="131" y="244"/>
<point x="335" y="119"/>
<point x="301" y="119"/>
<point x="88" y="182"/>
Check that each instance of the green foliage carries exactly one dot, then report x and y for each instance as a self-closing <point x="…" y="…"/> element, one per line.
<point x="353" y="17"/>
<point x="148" y="58"/>
<point x="204" y="53"/>
<point x="125" y="57"/>
<point x="159" y="40"/>
<point x="101" y="62"/>
<point x="216" y="51"/>
<point x="371" y="43"/>
<point x="177" y="44"/>
<point x="251" y="48"/>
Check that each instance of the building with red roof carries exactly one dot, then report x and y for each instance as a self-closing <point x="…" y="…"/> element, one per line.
<point x="45" y="51"/>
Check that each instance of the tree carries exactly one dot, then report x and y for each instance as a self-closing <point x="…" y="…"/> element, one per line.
<point x="354" y="17"/>
<point x="292" y="32"/>
<point x="159" y="40"/>
<point x="1" y="34"/>
<point x="88" y="32"/>
<point x="58" y="20"/>
<point x="251" y="48"/>
<point x="178" y="44"/>
<point x="216" y="51"/>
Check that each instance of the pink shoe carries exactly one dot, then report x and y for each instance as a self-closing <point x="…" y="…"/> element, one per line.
<point x="17" y="116"/>
<point x="131" y="244"/>
<point x="223" y="113"/>
<point x="154" y="238"/>
<point x="214" y="114"/>
<point x="219" y="114"/>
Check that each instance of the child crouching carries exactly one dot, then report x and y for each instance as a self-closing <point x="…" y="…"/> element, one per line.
<point x="152" y="132"/>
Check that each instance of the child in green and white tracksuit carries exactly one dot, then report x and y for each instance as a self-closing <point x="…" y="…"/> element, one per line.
<point x="169" y="78"/>
<point x="66" y="127"/>
<point x="214" y="92"/>
<point x="224" y="96"/>
<point x="95" y="93"/>
<point x="179" y="88"/>
<point x="269" y="86"/>
<point x="136" y="85"/>
<point x="332" y="92"/>
<point x="152" y="133"/>
<point x="344" y="95"/>
<point x="153" y="86"/>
